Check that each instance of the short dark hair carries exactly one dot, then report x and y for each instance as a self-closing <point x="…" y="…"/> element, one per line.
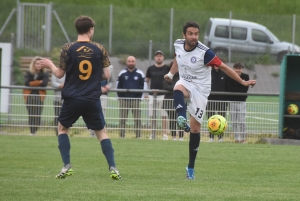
<point x="83" y="24"/>
<point x="238" y="65"/>
<point x="190" y="24"/>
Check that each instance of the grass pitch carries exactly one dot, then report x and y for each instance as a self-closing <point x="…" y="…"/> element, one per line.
<point x="151" y="170"/>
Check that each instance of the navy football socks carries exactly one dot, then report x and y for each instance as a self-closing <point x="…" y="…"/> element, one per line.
<point x="193" y="148"/>
<point x="108" y="152"/>
<point x="64" y="147"/>
<point x="179" y="103"/>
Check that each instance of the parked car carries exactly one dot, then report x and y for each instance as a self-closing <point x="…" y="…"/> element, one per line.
<point x="246" y="36"/>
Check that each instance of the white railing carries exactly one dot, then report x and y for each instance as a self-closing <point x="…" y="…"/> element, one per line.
<point x="261" y="120"/>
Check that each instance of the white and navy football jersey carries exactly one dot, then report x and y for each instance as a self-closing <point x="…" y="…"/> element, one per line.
<point x="194" y="65"/>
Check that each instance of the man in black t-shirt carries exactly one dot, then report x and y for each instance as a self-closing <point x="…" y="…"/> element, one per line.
<point x="237" y="104"/>
<point x="217" y="104"/>
<point x="155" y="74"/>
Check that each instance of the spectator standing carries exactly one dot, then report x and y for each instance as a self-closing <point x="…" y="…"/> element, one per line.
<point x="36" y="76"/>
<point x="237" y="104"/>
<point x="58" y="84"/>
<point x="130" y="78"/>
<point x="155" y="75"/>
<point x="169" y="106"/>
<point x="217" y="104"/>
<point x="84" y="62"/>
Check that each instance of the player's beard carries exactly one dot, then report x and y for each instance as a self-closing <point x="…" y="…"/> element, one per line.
<point x="191" y="43"/>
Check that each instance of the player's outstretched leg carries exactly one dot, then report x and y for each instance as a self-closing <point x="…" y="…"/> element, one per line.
<point x="114" y="173"/>
<point x="190" y="173"/>
<point x="182" y="122"/>
<point x="180" y="108"/>
<point x="65" y="171"/>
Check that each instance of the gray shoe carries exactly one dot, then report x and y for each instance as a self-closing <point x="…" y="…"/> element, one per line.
<point x="114" y="173"/>
<point x="65" y="171"/>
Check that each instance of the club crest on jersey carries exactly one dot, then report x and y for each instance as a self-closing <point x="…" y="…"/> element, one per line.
<point x="193" y="59"/>
<point x="135" y="78"/>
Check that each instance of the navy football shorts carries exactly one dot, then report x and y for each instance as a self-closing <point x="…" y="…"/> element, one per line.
<point x="90" y="110"/>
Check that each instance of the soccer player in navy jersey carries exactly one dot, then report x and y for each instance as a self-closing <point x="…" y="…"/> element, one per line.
<point x="85" y="64"/>
<point x="194" y="60"/>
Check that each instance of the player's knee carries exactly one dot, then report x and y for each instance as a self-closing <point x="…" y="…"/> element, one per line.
<point x="179" y="87"/>
<point x="195" y="130"/>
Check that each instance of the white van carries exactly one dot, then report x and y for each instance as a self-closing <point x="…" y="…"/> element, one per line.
<point x="246" y="36"/>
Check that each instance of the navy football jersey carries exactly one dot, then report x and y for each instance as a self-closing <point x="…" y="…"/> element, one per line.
<point x="83" y="63"/>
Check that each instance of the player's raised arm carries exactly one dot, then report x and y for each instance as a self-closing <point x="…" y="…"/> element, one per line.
<point x="47" y="63"/>
<point x="226" y="69"/>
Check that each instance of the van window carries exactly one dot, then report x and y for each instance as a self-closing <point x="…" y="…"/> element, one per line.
<point x="237" y="33"/>
<point x="222" y="31"/>
<point x="260" y="36"/>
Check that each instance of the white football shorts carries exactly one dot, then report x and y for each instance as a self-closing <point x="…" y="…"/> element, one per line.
<point x="196" y="103"/>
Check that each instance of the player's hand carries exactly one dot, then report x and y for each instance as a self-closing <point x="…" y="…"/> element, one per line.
<point x="46" y="63"/>
<point x="249" y="83"/>
<point x="107" y="87"/>
<point x="168" y="78"/>
<point x="104" y="89"/>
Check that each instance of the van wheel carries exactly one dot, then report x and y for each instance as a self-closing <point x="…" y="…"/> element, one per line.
<point x="222" y="53"/>
<point x="280" y="56"/>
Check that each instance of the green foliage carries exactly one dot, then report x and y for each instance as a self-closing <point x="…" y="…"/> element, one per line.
<point x="275" y="74"/>
<point x="240" y="6"/>
<point x="18" y="78"/>
<point x="151" y="170"/>
<point x="249" y="64"/>
<point x="265" y="59"/>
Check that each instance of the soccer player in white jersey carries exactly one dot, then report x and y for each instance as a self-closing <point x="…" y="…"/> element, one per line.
<point x="194" y="60"/>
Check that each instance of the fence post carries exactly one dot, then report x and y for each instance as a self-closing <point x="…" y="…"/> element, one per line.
<point x="61" y="26"/>
<point x="171" y="30"/>
<point x="110" y="28"/>
<point x="150" y="52"/>
<point x="20" y="24"/>
<point x="153" y="124"/>
<point x="229" y="48"/>
<point x="48" y="27"/>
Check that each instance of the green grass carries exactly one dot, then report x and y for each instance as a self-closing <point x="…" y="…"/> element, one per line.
<point x="151" y="170"/>
<point x="271" y="99"/>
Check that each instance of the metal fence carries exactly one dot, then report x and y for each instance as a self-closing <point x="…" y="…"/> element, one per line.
<point x="261" y="119"/>
<point x="134" y="31"/>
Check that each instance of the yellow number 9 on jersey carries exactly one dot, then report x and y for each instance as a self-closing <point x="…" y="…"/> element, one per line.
<point x="85" y="67"/>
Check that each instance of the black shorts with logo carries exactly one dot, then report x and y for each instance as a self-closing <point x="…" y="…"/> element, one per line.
<point x="90" y="110"/>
